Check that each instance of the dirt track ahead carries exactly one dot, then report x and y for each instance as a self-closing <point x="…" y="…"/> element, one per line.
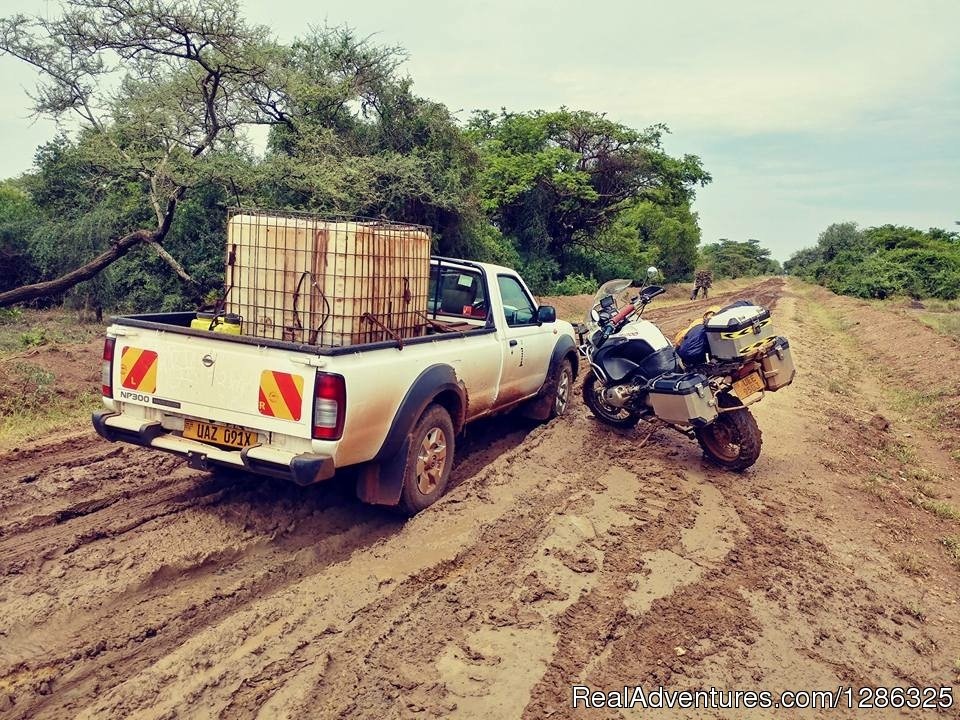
<point x="132" y="585"/>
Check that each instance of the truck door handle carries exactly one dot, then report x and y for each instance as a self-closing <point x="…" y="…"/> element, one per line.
<point x="513" y="343"/>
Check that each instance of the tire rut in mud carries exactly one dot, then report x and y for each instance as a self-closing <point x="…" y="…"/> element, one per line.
<point x="136" y="556"/>
<point x="286" y="533"/>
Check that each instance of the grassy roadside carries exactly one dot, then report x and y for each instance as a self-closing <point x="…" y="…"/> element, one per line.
<point x="943" y="316"/>
<point x="912" y="464"/>
<point x="881" y="440"/>
<point x="19" y="428"/>
<point x="944" y="323"/>
<point x="24" y="329"/>
<point x="49" y="369"/>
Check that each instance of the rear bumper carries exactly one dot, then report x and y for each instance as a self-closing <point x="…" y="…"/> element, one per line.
<point x="302" y="468"/>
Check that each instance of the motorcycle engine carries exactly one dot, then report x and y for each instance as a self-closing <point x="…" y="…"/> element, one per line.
<point x="619" y="395"/>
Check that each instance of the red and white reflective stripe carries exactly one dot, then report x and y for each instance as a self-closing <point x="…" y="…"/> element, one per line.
<point x="106" y="368"/>
<point x="329" y="406"/>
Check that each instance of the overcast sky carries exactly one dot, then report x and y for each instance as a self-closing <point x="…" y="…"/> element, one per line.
<point x="805" y="114"/>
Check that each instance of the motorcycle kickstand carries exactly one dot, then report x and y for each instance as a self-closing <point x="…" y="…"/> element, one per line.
<point x="653" y="428"/>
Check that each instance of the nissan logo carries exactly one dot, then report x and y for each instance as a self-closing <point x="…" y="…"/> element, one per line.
<point x="207" y="360"/>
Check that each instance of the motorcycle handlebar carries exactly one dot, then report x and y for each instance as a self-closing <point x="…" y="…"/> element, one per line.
<point x="613" y="324"/>
<point x="622" y="315"/>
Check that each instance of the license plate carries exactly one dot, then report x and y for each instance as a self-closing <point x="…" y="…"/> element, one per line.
<point x="745" y="387"/>
<point x="218" y="434"/>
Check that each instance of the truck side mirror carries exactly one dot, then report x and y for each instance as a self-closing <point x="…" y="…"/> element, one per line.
<point x="546" y="314"/>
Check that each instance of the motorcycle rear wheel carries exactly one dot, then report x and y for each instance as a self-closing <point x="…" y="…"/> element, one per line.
<point x="732" y="441"/>
<point x="592" y="396"/>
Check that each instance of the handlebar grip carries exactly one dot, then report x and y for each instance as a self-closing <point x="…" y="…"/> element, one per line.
<point x="622" y="315"/>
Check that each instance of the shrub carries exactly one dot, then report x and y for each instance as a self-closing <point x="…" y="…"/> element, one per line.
<point x="575" y="284"/>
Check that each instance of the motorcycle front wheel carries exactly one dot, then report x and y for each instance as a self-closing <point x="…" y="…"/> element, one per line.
<point x="732" y="441"/>
<point x="593" y="397"/>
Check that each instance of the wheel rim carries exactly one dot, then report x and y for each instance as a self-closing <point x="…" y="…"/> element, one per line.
<point x="608" y="410"/>
<point x="722" y="440"/>
<point x="431" y="460"/>
<point x="563" y="393"/>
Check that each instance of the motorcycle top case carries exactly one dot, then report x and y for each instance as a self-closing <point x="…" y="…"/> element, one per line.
<point x="737" y="331"/>
<point x="683" y="399"/>
<point x="777" y="364"/>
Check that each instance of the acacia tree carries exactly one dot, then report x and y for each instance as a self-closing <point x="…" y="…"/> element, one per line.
<point x="361" y="142"/>
<point x="151" y="87"/>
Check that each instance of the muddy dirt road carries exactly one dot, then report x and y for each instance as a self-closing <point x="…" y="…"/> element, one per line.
<point x="131" y="585"/>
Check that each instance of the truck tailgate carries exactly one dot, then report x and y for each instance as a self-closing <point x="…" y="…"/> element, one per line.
<point x="236" y="383"/>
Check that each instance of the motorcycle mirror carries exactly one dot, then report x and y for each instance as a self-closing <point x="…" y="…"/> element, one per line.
<point x="652" y="272"/>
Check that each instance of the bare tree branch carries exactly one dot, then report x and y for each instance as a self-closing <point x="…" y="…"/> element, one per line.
<point x="189" y="72"/>
<point x="63" y="283"/>
<point x="171" y="261"/>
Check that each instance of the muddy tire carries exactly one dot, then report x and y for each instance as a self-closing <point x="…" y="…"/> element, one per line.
<point x="617" y="417"/>
<point x="560" y="388"/>
<point x="732" y="441"/>
<point x="428" y="462"/>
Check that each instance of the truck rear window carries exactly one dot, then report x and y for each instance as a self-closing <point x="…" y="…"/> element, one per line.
<point x="457" y="292"/>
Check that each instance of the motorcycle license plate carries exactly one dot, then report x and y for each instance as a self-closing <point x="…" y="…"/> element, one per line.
<point x="218" y="434"/>
<point x="745" y="387"/>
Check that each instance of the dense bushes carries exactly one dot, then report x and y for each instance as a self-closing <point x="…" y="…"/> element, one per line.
<point x="576" y="284"/>
<point x="486" y="194"/>
<point x="882" y="261"/>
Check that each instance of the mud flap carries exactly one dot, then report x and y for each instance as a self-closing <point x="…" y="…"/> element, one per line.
<point x="381" y="483"/>
<point x="540" y="407"/>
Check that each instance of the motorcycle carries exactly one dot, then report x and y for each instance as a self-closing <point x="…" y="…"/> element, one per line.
<point x="636" y="372"/>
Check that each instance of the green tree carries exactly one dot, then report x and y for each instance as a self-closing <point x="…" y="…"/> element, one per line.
<point x="652" y="233"/>
<point x="842" y="239"/>
<point x="369" y="145"/>
<point x="733" y="259"/>
<point x="16" y="205"/>
<point x="18" y="214"/>
<point x="554" y="182"/>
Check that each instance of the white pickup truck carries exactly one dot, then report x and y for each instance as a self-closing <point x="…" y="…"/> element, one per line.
<point x="302" y="412"/>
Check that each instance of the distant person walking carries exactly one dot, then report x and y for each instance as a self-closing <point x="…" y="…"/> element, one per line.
<point x="702" y="281"/>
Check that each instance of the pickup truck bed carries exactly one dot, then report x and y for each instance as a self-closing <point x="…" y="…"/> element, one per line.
<point x="303" y="412"/>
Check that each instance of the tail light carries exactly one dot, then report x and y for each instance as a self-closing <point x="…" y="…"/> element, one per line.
<point x="329" y="406"/>
<point x="106" y="368"/>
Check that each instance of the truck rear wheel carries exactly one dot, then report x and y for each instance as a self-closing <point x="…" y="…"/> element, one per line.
<point x="429" y="460"/>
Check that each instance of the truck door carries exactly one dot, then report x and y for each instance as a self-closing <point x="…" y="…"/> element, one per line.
<point x="527" y="346"/>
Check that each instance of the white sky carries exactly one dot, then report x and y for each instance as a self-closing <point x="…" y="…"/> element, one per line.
<point x="805" y="114"/>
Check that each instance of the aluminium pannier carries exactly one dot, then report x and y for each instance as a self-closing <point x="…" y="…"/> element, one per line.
<point x="683" y="399"/>
<point x="777" y="364"/>
<point x="738" y="331"/>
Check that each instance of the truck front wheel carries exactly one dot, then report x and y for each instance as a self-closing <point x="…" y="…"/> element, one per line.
<point x="429" y="460"/>
<point x="562" y="385"/>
